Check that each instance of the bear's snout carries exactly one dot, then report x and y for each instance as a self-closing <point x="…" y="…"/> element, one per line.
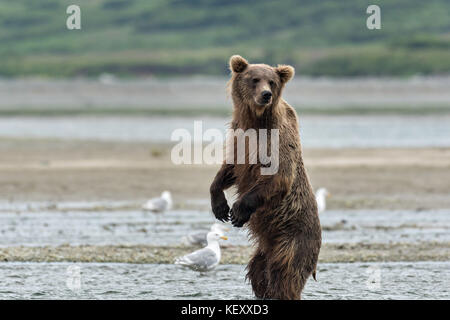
<point x="266" y="95"/>
<point x="264" y="98"/>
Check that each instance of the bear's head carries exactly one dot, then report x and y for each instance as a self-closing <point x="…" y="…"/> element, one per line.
<point x="258" y="86"/>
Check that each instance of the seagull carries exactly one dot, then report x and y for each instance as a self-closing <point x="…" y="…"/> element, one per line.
<point x="199" y="238"/>
<point x="321" y="196"/>
<point x="206" y="258"/>
<point x="159" y="205"/>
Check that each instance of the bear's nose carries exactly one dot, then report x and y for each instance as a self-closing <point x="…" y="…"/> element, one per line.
<point x="266" y="95"/>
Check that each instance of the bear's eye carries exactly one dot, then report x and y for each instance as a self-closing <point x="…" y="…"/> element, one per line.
<point x="271" y="83"/>
<point x="255" y="80"/>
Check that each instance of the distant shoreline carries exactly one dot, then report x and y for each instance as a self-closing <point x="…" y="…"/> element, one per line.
<point x="193" y="96"/>
<point x="221" y="111"/>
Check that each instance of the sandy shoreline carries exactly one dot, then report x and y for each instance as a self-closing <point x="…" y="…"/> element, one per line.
<point x="330" y="253"/>
<point x="50" y="170"/>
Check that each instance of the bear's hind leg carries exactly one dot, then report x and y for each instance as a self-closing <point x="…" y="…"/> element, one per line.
<point x="284" y="284"/>
<point x="257" y="274"/>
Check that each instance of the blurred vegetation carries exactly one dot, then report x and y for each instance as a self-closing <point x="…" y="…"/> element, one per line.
<point x="224" y="111"/>
<point x="175" y="37"/>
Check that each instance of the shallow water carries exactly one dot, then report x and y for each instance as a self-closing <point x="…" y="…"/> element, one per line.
<point x="393" y="280"/>
<point x="316" y="131"/>
<point x="38" y="224"/>
<point x="42" y="223"/>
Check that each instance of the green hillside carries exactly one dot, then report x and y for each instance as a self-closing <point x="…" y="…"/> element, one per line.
<point x="174" y="37"/>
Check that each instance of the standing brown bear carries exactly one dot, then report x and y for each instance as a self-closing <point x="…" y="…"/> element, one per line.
<point x="280" y="208"/>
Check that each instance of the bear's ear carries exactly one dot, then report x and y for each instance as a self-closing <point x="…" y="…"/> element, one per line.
<point x="285" y="72"/>
<point x="238" y="64"/>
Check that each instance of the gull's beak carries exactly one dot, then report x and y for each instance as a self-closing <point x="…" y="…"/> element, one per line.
<point x="224" y="238"/>
<point x="329" y="195"/>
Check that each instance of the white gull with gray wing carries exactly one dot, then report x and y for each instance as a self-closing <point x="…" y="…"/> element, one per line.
<point x="204" y="259"/>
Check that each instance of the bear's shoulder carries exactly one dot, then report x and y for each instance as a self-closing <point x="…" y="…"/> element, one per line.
<point x="289" y="112"/>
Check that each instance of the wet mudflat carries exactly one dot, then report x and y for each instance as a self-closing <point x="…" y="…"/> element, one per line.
<point x="47" y="224"/>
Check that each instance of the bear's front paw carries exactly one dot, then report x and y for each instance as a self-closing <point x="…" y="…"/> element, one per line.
<point x="240" y="213"/>
<point x="221" y="210"/>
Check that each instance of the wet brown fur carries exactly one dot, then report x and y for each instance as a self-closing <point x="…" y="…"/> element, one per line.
<point x="281" y="209"/>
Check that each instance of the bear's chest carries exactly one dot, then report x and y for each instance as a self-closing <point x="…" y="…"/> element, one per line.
<point x="246" y="176"/>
